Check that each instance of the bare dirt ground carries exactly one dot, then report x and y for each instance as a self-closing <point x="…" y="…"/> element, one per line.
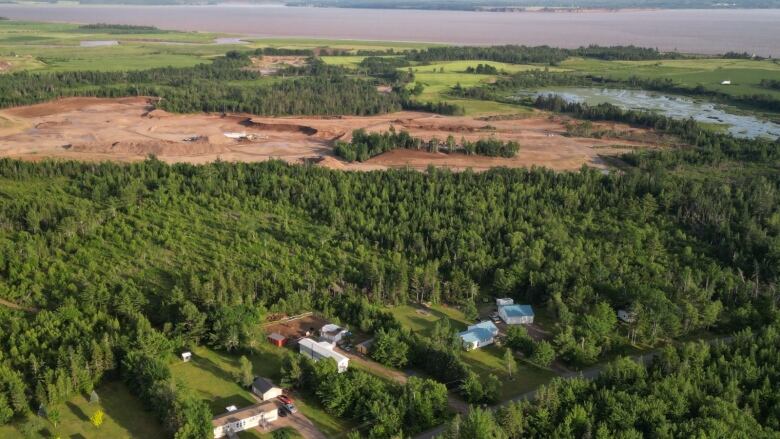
<point x="268" y="64"/>
<point x="297" y="328"/>
<point x="129" y="129"/>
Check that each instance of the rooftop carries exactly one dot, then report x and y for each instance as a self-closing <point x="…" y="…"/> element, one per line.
<point x="263" y="384"/>
<point x="518" y="310"/>
<point x="276" y="336"/>
<point x="476" y="335"/>
<point x="246" y="412"/>
<point x="487" y="324"/>
<point x="322" y="348"/>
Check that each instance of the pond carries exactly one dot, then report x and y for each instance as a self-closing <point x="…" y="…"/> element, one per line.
<point x="99" y="43"/>
<point x="678" y="107"/>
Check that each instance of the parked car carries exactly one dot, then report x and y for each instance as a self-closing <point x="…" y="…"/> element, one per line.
<point x="291" y="408"/>
<point x="285" y="399"/>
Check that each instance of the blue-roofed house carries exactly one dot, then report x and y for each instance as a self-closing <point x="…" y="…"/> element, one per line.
<point x="479" y="335"/>
<point x="516" y="314"/>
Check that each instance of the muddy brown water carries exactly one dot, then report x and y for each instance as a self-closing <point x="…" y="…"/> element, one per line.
<point x="697" y="31"/>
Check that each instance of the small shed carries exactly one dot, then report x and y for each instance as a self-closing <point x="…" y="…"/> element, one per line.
<point x="364" y="347"/>
<point x="332" y="333"/>
<point x="726" y="82"/>
<point x="277" y="339"/>
<point x="186" y="356"/>
<point x="265" y="389"/>
<point x="504" y="302"/>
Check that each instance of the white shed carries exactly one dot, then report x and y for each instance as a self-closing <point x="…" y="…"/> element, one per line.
<point x="504" y="302"/>
<point x="332" y="333"/>
<point x="186" y="356"/>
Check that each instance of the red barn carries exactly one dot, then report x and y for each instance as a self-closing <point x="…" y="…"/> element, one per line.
<point x="277" y="339"/>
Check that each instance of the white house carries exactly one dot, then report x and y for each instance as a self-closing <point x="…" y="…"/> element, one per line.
<point x="265" y="389"/>
<point x="332" y="333"/>
<point x="626" y="316"/>
<point x="504" y="302"/>
<point x="246" y="418"/>
<point x="322" y="349"/>
<point x="479" y="335"/>
<point x="516" y="314"/>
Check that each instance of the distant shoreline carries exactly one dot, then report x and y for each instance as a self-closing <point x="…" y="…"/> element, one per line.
<point x="689" y="31"/>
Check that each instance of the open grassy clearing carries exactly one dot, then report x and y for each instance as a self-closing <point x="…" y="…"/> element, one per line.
<point x="422" y="320"/>
<point x="125" y="418"/>
<point x="210" y="375"/>
<point x="490" y="360"/>
<point x="744" y="74"/>
<point x="438" y="85"/>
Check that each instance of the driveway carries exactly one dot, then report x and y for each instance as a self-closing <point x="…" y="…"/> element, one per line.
<point x="301" y="424"/>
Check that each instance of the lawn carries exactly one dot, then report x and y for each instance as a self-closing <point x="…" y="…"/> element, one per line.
<point x="409" y="317"/>
<point x="490" y="360"/>
<point x="125" y="417"/>
<point x="210" y="375"/>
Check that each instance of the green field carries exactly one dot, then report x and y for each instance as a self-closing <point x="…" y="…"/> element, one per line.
<point x="489" y="360"/>
<point x="211" y="375"/>
<point x="125" y="418"/>
<point x="744" y="74"/>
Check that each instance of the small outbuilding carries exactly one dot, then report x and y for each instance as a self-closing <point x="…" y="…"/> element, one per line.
<point x="186" y="356"/>
<point x="332" y="333"/>
<point x="277" y="339"/>
<point x="365" y="346"/>
<point x="516" y="314"/>
<point x="504" y="302"/>
<point x="726" y="82"/>
<point x="265" y="389"/>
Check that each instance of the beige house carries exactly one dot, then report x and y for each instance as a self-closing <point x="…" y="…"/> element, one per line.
<point x="246" y="418"/>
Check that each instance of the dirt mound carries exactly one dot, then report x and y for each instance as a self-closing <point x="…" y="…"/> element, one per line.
<point x="157" y="113"/>
<point x="69" y="104"/>
<point x="280" y="127"/>
<point x="331" y="163"/>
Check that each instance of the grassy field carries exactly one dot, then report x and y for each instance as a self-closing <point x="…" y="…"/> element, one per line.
<point x="744" y="74"/>
<point x="439" y="78"/>
<point x="125" y="418"/>
<point x="409" y="317"/>
<point x="211" y="375"/>
<point x="490" y="360"/>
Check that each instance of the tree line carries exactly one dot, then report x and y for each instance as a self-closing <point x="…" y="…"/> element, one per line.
<point x="515" y="54"/>
<point x="362" y="146"/>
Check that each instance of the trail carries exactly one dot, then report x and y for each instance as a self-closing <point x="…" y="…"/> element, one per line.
<point x="16" y="306"/>
<point x="589" y="374"/>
